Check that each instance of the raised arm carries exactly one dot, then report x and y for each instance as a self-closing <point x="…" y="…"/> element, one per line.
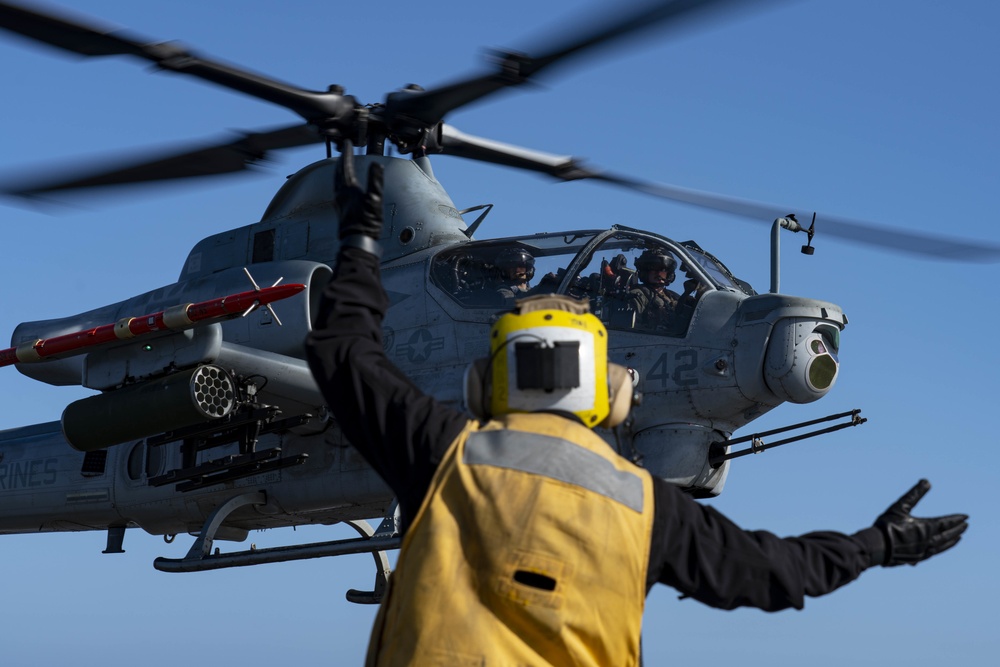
<point x="399" y="430"/>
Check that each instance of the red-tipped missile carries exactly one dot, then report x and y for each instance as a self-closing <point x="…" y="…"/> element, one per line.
<point x="176" y="318"/>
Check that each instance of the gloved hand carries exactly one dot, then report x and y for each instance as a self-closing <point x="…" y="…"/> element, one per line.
<point x="910" y="539"/>
<point x="694" y="287"/>
<point x="360" y="211"/>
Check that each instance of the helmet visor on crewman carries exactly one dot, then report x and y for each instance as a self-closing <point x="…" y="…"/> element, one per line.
<point x="510" y="260"/>
<point x="656" y="260"/>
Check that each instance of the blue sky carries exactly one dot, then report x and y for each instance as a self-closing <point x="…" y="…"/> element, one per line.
<point x="880" y="111"/>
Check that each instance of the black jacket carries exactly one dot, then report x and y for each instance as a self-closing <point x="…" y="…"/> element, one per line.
<point x="403" y="434"/>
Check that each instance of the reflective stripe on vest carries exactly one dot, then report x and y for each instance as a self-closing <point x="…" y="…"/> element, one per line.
<point x="557" y="459"/>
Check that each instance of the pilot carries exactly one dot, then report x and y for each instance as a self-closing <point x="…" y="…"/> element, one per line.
<point x="527" y="539"/>
<point x="516" y="268"/>
<point x="656" y="306"/>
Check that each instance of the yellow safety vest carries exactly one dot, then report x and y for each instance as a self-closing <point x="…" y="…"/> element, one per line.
<point x="530" y="548"/>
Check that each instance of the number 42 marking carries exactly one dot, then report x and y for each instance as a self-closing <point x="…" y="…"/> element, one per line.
<point x="680" y="369"/>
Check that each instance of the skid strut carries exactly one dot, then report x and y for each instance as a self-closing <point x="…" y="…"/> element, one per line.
<point x="388" y="528"/>
<point x="201" y="557"/>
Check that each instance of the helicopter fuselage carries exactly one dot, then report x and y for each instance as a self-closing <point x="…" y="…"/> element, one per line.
<point x="722" y="358"/>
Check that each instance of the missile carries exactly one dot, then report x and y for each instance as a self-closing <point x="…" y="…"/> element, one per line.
<point x="176" y="318"/>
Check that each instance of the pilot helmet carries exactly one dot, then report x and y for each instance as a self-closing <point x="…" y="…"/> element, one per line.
<point x="656" y="259"/>
<point x="512" y="258"/>
<point x="550" y="355"/>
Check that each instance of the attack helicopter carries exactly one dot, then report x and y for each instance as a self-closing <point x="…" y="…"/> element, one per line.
<point x="274" y="458"/>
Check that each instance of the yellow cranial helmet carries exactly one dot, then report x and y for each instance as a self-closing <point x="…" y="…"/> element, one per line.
<point x="549" y="354"/>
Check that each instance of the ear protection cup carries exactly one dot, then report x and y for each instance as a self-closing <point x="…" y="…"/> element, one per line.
<point x="478" y="391"/>
<point x="620" y="394"/>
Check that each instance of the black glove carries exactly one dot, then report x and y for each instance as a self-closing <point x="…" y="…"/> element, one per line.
<point x="360" y="211"/>
<point x="909" y="539"/>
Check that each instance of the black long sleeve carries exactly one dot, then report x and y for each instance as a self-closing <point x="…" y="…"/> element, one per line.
<point x="399" y="430"/>
<point x="704" y="555"/>
<point x="403" y="433"/>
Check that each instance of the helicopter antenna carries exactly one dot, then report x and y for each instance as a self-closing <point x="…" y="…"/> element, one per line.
<point x="482" y="216"/>
<point x="807" y="249"/>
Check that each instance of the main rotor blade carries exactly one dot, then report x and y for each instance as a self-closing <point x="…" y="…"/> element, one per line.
<point x="451" y="141"/>
<point x="430" y="106"/>
<point x="247" y="150"/>
<point x="324" y="108"/>
<point x="856" y="231"/>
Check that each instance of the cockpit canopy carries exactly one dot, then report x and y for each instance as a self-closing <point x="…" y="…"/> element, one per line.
<point x="635" y="281"/>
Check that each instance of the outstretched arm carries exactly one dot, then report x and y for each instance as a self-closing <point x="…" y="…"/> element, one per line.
<point x="704" y="555"/>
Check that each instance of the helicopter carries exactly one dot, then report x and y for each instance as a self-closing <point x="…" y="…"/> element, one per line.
<point x="436" y="274"/>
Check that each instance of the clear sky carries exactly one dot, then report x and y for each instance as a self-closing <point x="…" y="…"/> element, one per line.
<point x="881" y="111"/>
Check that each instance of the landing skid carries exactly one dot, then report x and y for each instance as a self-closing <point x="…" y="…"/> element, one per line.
<point x="375" y="541"/>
